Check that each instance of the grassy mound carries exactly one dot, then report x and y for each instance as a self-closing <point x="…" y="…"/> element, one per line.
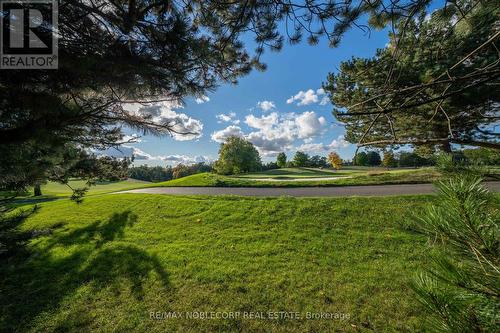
<point x="110" y="262"/>
<point x="380" y="176"/>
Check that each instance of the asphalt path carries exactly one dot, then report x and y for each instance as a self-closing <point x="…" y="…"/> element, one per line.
<point x="339" y="191"/>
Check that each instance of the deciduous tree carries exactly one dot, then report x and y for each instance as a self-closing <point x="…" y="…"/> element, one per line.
<point x="335" y="160"/>
<point x="389" y="161"/>
<point x="237" y="155"/>
<point x="300" y="159"/>
<point x="281" y="160"/>
<point x="361" y="159"/>
<point x="373" y="158"/>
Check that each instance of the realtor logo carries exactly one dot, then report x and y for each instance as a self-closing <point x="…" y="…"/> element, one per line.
<point x="28" y="34"/>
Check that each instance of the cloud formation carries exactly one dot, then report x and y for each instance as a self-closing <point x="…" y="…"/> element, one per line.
<point x="309" y="125"/>
<point x="337" y="143"/>
<point x="183" y="126"/>
<point x="184" y="159"/>
<point x="140" y="155"/>
<point x="202" y="99"/>
<point x="222" y="135"/>
<point x="133" y="138"/>
<point x="227" y="118"/>
<point x="309" y="97"/>
<point x="266" y="105"/>
<point x="274" y="133"/>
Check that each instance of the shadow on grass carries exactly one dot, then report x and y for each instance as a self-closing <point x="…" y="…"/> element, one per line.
<point x="66" y="261"/>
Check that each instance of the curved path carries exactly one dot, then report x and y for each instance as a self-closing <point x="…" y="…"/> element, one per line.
<point x="367" y="190"/>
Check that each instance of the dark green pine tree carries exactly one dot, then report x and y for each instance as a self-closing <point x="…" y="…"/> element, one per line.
<point x="435" y="84"/>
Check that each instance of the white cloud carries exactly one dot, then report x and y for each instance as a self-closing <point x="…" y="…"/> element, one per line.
<point x="133" y="138"/>
<point x="227" y="118"/>
<point x="274" y="133"/>
<point x="270" y="143"/>
<point x="266" y="105"/>
<point x="202" y="99"/>
<point x="309" y="97"/>
<point x="324" y="100"/>
<point x="184" y="159"/>
<point x="126" y="151"/>
<point x="337" y="143"/>
<point x="312" y="147"/>
<point x="222" y="135"/>
<point x="263" y="122"/>
<point x="277" y="132"/>
<point x="140" y="155"/>
<point x="309" y="124"/>
<point x="183" y="126"/>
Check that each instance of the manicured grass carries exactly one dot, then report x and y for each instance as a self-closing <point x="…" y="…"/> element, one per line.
<point x="52" y="188"/>
<point x="56" y="190"/>
<point x="355" y="177"/>
<point x="110" y="261"/>
<point x="294" y="173"/>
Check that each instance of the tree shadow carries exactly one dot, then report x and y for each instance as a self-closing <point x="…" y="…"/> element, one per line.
<point x="91" y="256"/>
<point x="12" y="240"/>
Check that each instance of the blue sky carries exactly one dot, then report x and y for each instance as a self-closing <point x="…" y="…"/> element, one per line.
<point x="281" y="123"/>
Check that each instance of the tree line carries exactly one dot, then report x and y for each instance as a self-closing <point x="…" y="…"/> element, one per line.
<point x="163" y="173"/>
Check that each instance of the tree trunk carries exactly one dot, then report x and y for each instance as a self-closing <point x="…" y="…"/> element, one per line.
<point x="37" y="190"/>
<point x="446" y="147"/>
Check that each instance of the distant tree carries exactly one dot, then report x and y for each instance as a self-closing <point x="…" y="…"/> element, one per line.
<point x="300" y="159"/>
<point x="237" y="155"/>
<point x="270" y="166"/>
<point x="281" y="160"/>
<point x="180" y="170"/>
<point x="151" y="173"/>
<point x="57" y="163"/>
<point x="335" y="160"/>
<point x="183" y="170"/>
<point x="317" y="161"/>
<point x="412" y="159"/>
<point x="361" y="159"/>
<point x="389" y="161"/>
<point x="483" y="155"/>
<point x="373" y="158"/>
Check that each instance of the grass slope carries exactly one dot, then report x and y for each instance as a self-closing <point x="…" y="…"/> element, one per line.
<point x="112" y="260"/>
<point x="53" y="190"/>
<point x="294" y="173"/>
<point x="405" y="176"/>
<point x="56" y="189"/>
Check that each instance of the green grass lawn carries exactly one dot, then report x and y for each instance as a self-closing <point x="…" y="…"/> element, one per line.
<point x="56" y="190"/>
<point x="295" y="173"/>
<point x="52" y="188"/>
<point x="352" y="176"/>
<point x="109" y="262"/>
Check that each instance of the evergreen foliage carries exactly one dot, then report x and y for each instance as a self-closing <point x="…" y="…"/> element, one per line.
<point x="461" y="287"/>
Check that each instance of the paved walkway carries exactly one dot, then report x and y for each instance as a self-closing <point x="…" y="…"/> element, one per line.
<point x="368" y="190"/>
